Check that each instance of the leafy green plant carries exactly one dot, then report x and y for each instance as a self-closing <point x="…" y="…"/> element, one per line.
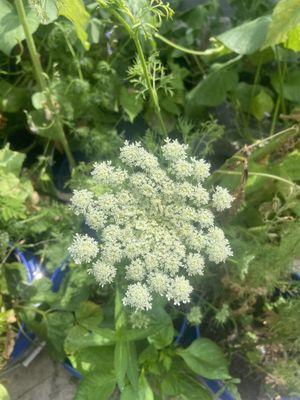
<point x="78" y="78"/>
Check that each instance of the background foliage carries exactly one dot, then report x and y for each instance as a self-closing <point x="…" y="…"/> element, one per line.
<point x="225" y="79"/>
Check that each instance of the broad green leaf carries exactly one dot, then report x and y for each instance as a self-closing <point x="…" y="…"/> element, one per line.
<point x="12" y="98"/>
<point x="121" y="362"/>
<point x="11" y="161"/>
<point x="178" y="384"/>
<point x="290" y="86"/>
<point x="4" y="393"/>
<point x="132" y="369"/>
<point x="261" y="105"/>
<point x="253" y="99"/>
<point x="75" y="289"/>
<point x="129" y="393"/>
<point x="248" y="37"/>
<point x="53" y="328"/>
<point x="39" y="291"/>
<point x="11" y="31"/>
<point x="80" y="338"/>
<point x="143" y="392"/>
<point x="133" y="335"/>
<point x="285" y="17"/>
<point x="162" y="326"/>
<point x="96" y="386"/>
<point x="290" y="166"/>
<point x="145" y="389"/>
<point x="293" y="39"/>
<point x="148" y="355"/>
<point x="93" y="359"/>
<point x="74" y="10"/>
<point x="58" y="325"/>
<point x="89" y="315"/>
<point x="204" y="357"/>
<point x="212" y="90"/>
<point x="131" y="104"/>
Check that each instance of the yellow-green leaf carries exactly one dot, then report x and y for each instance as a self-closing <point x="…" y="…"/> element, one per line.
<point x="74" y="10"/>
<point x="293" y="39"/>
<point x="285" y="17"/>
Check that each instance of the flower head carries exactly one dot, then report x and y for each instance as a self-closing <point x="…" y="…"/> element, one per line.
<point x="81" y="201"/>
<point x="83" y="249"/>
<point x="195" y="315"/>
<point x="138" y="296"/>
<point x="221" y="199"/>
<point x="179" y="290"/>
<point x="104" y="273"/>
<point x="154" y="221"/>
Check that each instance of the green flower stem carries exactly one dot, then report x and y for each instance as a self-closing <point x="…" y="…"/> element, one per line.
<point x="41" y="80"/>
<point x="38" y="70"/>
<point x="152" y="92"/>
<point x="120" y="319"/>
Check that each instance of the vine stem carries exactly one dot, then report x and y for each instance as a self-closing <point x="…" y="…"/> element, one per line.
<point x="41" y="80"/>
<point x="207" y="52"/>
<point x="262" y="174"/>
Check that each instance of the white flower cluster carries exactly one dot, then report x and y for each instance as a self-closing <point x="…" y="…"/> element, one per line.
<point x="155" y="223"/>
<point x="195" y="315"/>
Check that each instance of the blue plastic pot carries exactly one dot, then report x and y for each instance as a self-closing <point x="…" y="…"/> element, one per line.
<point x="34" y="269"/>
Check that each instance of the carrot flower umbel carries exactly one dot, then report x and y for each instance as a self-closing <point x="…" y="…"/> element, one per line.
<point x="155" y="223"/>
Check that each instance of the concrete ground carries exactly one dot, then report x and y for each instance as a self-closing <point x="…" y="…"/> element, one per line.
<point x="41" y="380"/>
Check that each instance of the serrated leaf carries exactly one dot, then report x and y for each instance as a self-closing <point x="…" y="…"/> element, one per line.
<point x="80" y="338"/>
<point x="93" y="359"/>
<point x="96" y="386"/>
<point x="89" y="315"/>
<point x="11" y="161"/>
<point x="204" y="357"/>
<point x="285" y="17"/>
<point x="11" y="30"/>
<point x="74" y="10"/>
<point x="248" y="37"/>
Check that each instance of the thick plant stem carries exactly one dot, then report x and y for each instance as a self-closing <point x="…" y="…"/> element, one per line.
<point x="41" y="80"/>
